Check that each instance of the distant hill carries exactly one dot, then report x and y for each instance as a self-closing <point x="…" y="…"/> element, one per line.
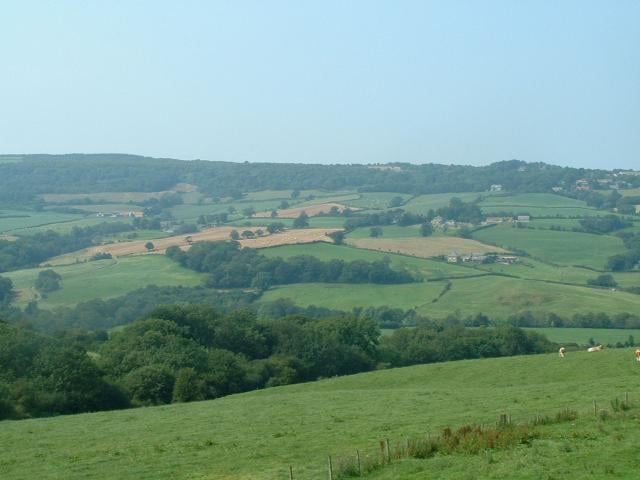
<point x="24" y="177"/>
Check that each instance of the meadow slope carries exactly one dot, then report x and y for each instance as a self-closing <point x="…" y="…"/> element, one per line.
<point x="258" y="435"/>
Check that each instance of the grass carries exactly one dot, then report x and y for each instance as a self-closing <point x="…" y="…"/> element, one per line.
<point x="376" y="200"/>
<point x="424" y="203"/>
<point x="564" y="248"/>
<point x="340" y="296"/>
<point x="257" y="435"/>
<point x="388" y="231"/>
<point x="67" y="226"/>
<point x="498" y="297"/>
<point x="15" y="221"/>
<point x="581" y="336"/>
<point x="103" y="279"/>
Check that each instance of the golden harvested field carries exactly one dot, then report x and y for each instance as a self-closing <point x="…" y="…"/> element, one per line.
<point x="425" y="246"/>
<point x="291" y="237"/>
<point x="137" y="247"/>
<point x="311" y="210"/>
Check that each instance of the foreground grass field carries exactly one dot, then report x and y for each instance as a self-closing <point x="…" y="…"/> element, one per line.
<point x="259" y="434"/>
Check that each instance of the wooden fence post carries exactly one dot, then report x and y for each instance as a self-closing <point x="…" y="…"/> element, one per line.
<point x="595" y="408"/>
<point x="330" y="469"/>
<point x="290" y="472"/>
<point x="358" y="457"/>
<point x="388" y="450"/>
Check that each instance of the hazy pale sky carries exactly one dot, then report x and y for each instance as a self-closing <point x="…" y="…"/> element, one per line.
<point x="326" y="81"/>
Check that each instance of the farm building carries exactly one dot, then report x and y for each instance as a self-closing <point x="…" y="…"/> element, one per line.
<point x="507" y="259"/>
<point x="453" y="258"/>
<point x="523" y="218"/>
<point x="496" y="220"/>
<point x="495" y="188"/>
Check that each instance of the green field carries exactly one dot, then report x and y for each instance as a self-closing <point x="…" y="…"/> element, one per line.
<point x="67" y="226"/>
<point x="537" y="205"/>
<point x="495" y="296"/>
<point x="14" y="221"/>
<point x="258" y="435"/>
<point x="104" y="279"/>
<point x="388" y="231"/>
<point x="581" y="336"/>
<point x="340" y="296"/>
<point x="423" y="203"/>
<point x="376" y="200"/>
<point x="563" y="248"/>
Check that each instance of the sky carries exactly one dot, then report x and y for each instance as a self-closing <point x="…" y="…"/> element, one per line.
<point x="463" y="82"/>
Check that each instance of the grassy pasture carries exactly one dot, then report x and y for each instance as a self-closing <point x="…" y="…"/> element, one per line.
<point x="345" y="297"/>
<point x="257" y="435"/>
<point x="67" y="225"/>
<point x="15" y="221"/>
<point x="388" y="231"/>
<point x="286" y="194"/>
<point x="110" y="197"/>
<point x="549" y="200"/>
<point x="376" y="200"/>
<point x="498" y="297"/>
<point x="564" y="248"/>
<point x="581" y="336"/>
<point x="103" y="279"/>
<point x="108" y="207"/>
<point x="423" y="203"/>
<point x="424" y="247"/>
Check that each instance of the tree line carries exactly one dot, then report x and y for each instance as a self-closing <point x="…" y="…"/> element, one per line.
<point x="230" y="266"/>
<point x="29" y="251"/>
<point x="186" y="353"/>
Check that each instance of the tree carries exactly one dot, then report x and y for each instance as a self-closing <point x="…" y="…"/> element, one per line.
<point x="189" y="386"/>
<point x="235" y="235"/>
<point x="337" y="237"/>
<point x="284" y="204"/>
<point x="426" y="229"/>
<point x="150" y="385"/>
<point x="295" y="193"/>
<point x="375" y="232"/>
<point x="302" y="221"/>
<point x="248" y="234"/>
<point x="605" y="280"/>
<point x="48" y="281"/>
<point x="275" y="227"/>
<point x="149" y="246"/>
<point x="248" y="212"/>
<point x="6" y="285"/>
<point x="396" y="202"/>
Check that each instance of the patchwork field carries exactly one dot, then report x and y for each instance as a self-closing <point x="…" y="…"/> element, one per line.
<point x="115" y="197"/>
<point x="103" y="279"/>
<point x="376" y="200"/>
<point x="258" y="435"/>
<point x="564" y="248"/>
<point x="424" y="247"/>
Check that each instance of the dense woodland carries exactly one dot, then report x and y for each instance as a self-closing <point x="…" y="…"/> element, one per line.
<point x="36" y="174"/>
<point x="180" y="354"/>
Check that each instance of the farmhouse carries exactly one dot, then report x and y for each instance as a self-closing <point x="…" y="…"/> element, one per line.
<point x="453" y="257"/>
<point x="507" y="259"/>
<point x="436" y="222"/>
<point x="495" y="188"/>
<point x="523" y="218"/>
<point x="583" y="184"/>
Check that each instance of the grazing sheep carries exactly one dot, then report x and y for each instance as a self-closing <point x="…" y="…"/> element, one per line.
<point x="595" y="349"/>
<point x="561" y="352"/>
<point x="638" y="354"/>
